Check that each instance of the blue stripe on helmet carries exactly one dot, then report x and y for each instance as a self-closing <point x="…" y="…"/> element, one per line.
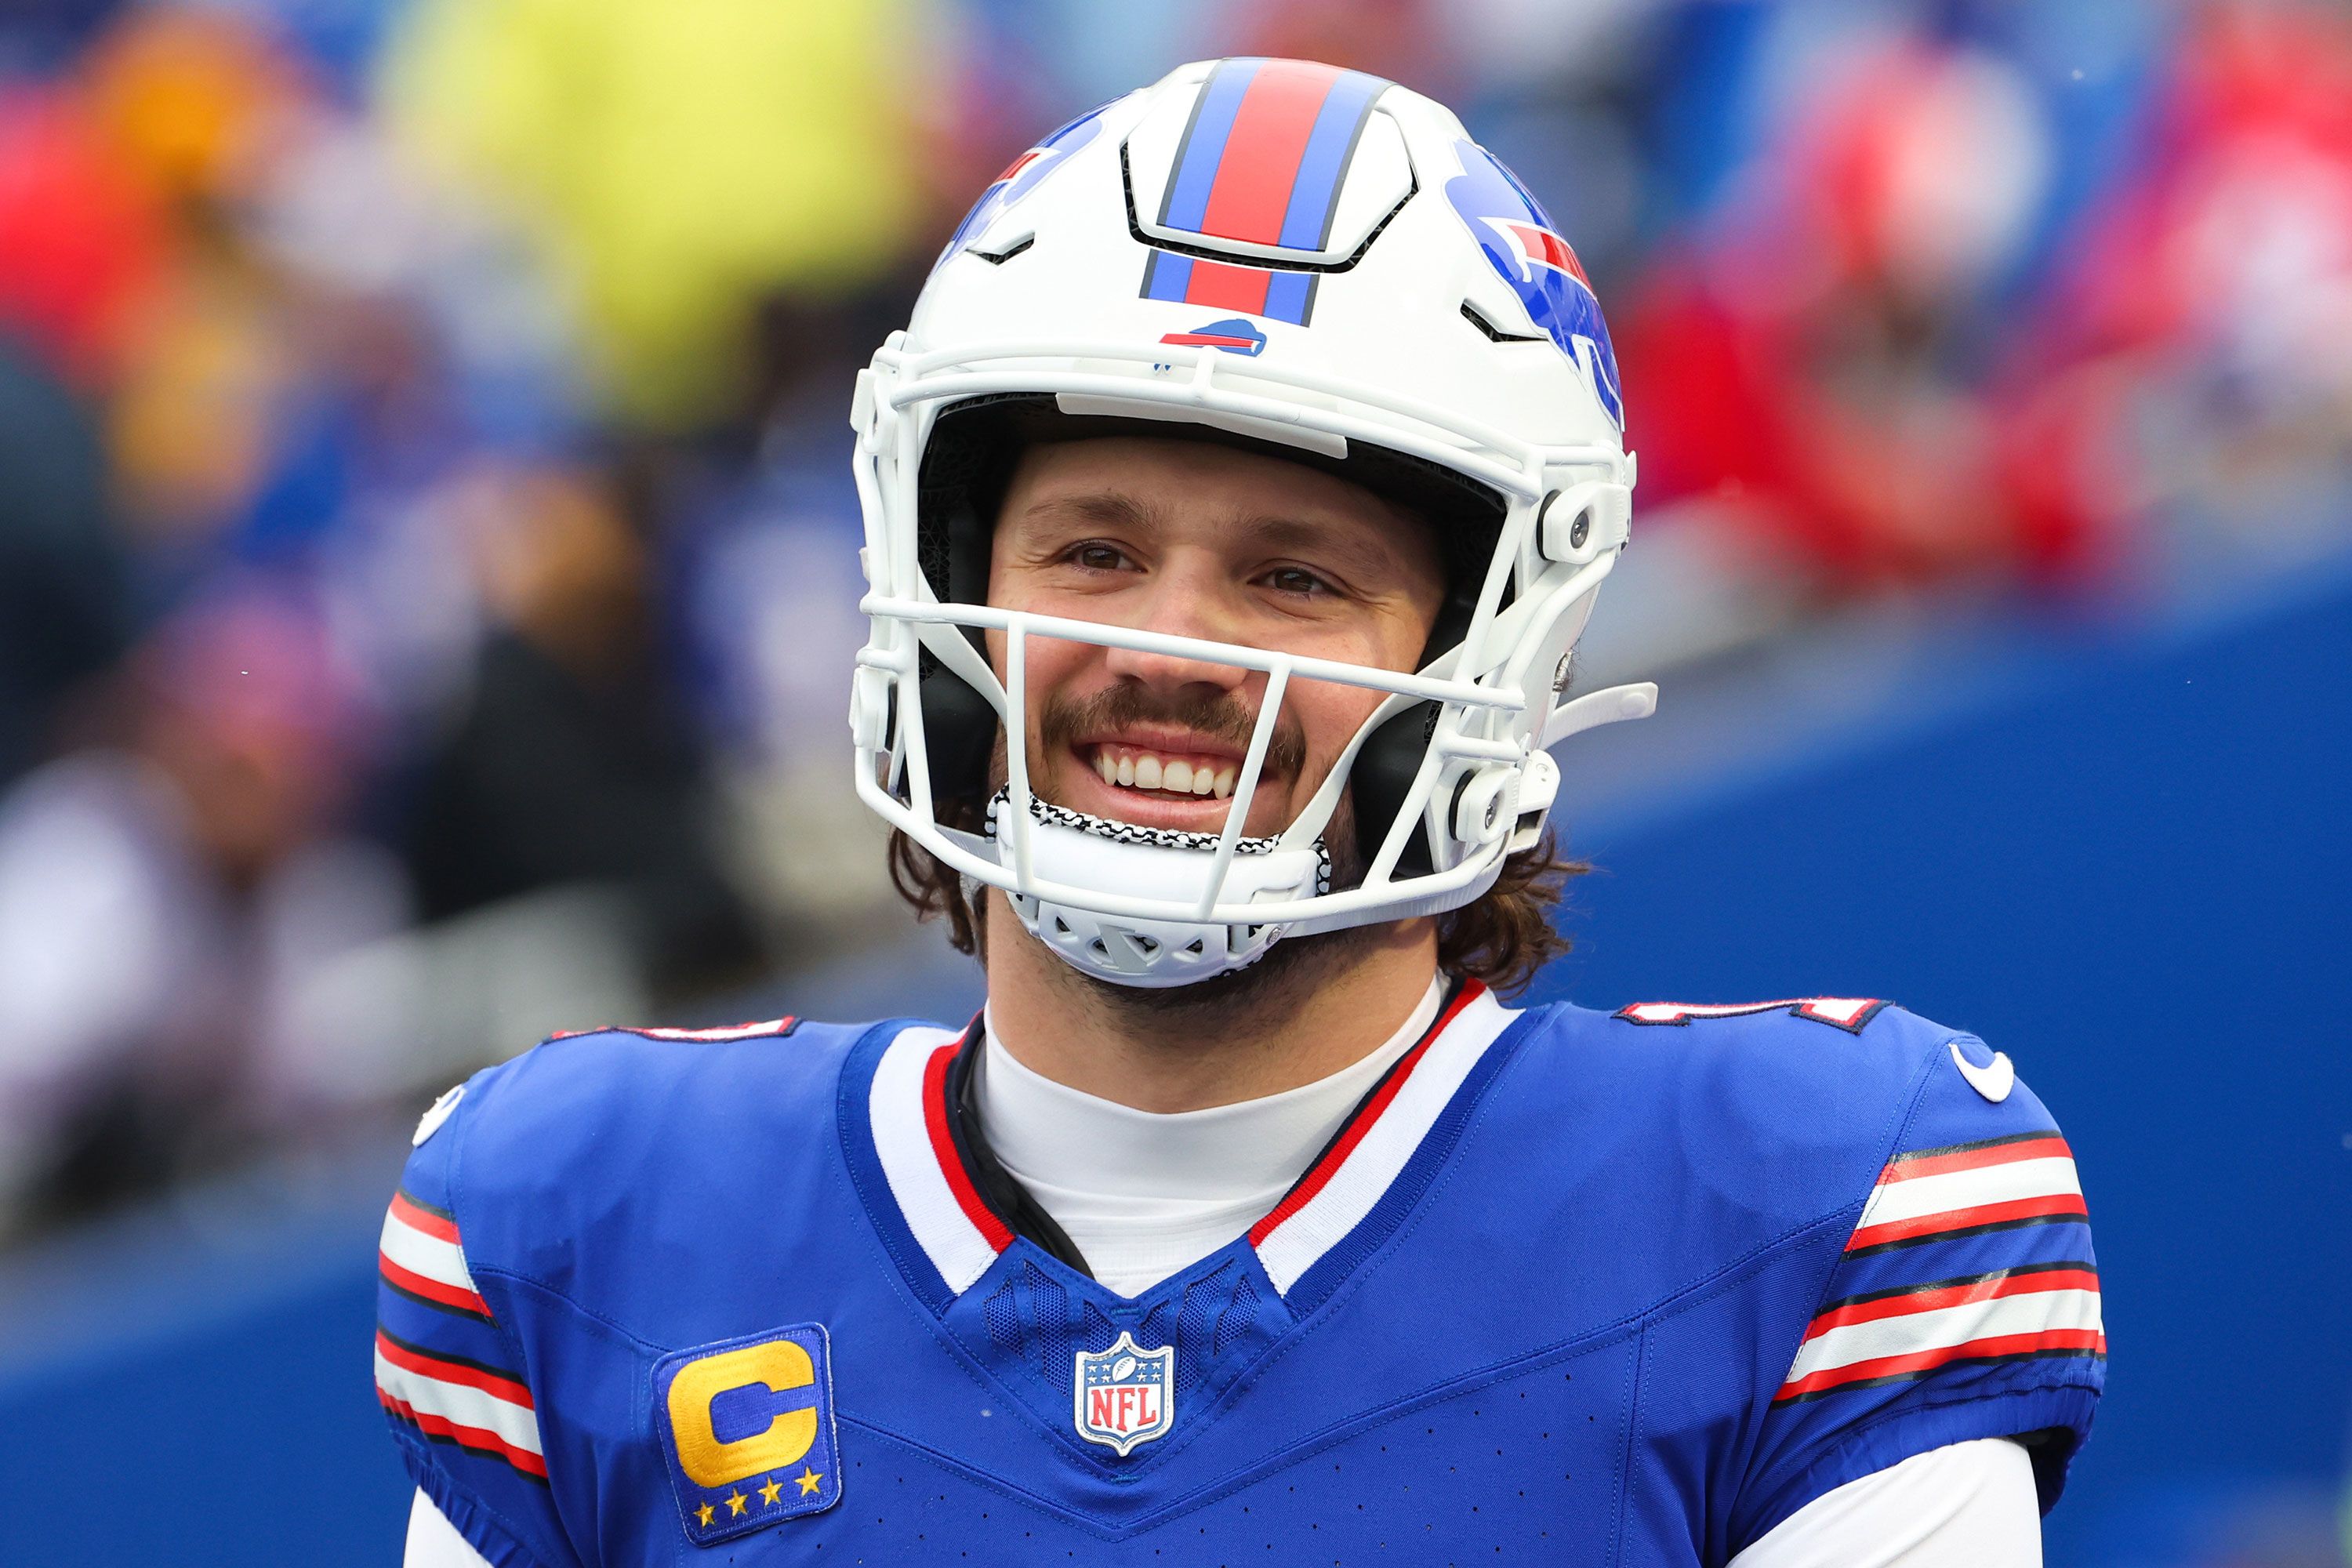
<point x="1315" y="195"/>
<point x="1186" y="203"/>
<point x="1166" y="275"/>
<point x="1288" y="295"/>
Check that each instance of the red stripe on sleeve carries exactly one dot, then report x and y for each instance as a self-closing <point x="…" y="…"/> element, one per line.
<point x="1952" y="1296"/>
<point x="1222" y="286"/>
<point x="474" y="1439"/>
<point x="1262" y="153"/>
<point x="2087" y="1340"/>
<point x="1906" y="1168"/>
<point x="440" y="1371"/>
<point x="422" y="1220"/>
<point x="1967" y="1219"/>
<point x="456" y="1296"/>
<point x="935" y="1119"/>
<point x="1326" y="1168"/>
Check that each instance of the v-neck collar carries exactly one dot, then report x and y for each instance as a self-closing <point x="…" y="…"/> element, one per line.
<point x="899" y="1131"/>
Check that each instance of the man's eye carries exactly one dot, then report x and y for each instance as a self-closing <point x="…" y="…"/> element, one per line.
<point x="1295" y="580"/>
<point x="1097" y="557"/>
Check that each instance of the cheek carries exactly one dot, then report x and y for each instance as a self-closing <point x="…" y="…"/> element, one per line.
<point x="1329" y="717"/>
<point x="1390" y="638"/>
<point x="1053" y="666"/>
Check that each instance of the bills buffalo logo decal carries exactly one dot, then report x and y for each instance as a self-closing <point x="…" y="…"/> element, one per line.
<point x="1511" y="228"/>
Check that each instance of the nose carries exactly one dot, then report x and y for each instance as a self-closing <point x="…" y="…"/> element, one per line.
<point x="1182" y="605"/>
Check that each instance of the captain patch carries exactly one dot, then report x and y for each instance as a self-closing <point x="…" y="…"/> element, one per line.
<point x="746" y="1427"/>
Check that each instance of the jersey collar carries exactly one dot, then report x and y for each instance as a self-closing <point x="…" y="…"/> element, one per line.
<point x="898" y="1129"/>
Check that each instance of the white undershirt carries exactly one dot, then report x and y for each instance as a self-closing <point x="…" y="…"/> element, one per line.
<point x="1142" y="1195"/>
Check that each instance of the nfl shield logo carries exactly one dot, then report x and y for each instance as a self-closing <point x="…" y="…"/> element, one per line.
<point x="1125" y="1394"/>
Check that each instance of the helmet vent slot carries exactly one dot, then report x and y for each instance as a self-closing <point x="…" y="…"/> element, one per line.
<point x="1494" y="334"/>
<point x="999" y="258"/>
<point x="1251" y="259"/>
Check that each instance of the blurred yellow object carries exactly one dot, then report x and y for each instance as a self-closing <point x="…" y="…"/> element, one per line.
<point x="680" y="157"/>
<point x="189" y="424"/>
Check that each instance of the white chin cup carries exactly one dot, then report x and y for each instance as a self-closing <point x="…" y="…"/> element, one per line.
<point x="1075" y="850"/>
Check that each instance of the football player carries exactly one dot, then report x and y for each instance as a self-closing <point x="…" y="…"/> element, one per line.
<point x="1233" y="501"/>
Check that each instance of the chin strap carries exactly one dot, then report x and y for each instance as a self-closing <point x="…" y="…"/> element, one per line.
<point x="1080" y="851"/>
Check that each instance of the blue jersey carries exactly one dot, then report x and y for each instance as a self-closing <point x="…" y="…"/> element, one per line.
<point x="1568" y="1287"/>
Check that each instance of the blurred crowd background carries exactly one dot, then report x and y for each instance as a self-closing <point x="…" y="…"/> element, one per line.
<point x="427" y="552"/>
<point x="427" y="571"/>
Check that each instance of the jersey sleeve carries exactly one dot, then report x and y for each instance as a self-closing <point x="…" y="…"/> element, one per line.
<point x="1964" y="1304"/>
<point x="449" y="1376"/>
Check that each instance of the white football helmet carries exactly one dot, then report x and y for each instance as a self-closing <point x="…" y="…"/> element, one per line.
<point x="1265" y="251"/>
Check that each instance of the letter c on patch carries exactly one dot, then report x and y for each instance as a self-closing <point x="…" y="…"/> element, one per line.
<point x="779" y="1365"/>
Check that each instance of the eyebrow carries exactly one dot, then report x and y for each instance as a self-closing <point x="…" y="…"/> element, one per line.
<point x="1110" y="508"/>
<point x="1275" y="530"/>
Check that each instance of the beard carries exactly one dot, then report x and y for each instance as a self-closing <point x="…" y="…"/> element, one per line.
<point x="1285" y="979"/>
<point x="1294" y="970"/>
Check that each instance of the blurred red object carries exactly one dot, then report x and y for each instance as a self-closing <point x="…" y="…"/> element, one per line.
<point x="2235" y="235"/>
<point x="1812" y="369"/>
<point x="83" y="238"/>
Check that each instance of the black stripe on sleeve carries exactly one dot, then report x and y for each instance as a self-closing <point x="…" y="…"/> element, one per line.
<point x="1899" y="1242"/>
<point x="1862" y="1383"/>
<point x="429" y="1354"/>
<point x="435" y="1210"/>
<point x="467" y="1313"/>
<point x="1893" y="1290"/>
<point x="445" y="1441"/>
<point x="1909" y="1155"/>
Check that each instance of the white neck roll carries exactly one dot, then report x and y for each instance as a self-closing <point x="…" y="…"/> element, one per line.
<point x="1143" y="1194"/>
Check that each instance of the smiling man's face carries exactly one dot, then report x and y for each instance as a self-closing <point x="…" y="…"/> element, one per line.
<point x="1207" y="542"/>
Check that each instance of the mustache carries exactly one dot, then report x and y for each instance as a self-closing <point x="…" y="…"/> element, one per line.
<point x="1218" y="716"/>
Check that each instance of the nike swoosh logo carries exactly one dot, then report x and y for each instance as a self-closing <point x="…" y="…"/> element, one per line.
<point x="436" y="1115"/>
<point x="1993" y="1082"/>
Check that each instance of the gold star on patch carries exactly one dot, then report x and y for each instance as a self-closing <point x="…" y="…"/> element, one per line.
<point x="703" y="1513"/>
<point x="772" y="1490"/>
<point x="735" y="1503"/>
<point x="808" y="1480"/>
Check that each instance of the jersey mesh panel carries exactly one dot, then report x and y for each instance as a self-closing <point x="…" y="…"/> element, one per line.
<point x="1004" y="1319"/>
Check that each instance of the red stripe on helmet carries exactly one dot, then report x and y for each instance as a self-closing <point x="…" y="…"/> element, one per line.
<point x="1263" y="150"/>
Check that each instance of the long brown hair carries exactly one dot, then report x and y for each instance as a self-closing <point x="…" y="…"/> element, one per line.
<point x="1504" y="938"/>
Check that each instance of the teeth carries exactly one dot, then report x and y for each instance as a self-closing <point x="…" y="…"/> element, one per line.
<point x="1143" y="771"/>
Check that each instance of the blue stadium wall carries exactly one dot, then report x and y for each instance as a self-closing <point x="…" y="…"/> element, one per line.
<point x="2123" y="859"/>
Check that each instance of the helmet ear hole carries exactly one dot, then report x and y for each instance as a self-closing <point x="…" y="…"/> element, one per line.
<point x="958" y="733"/>
<point x="1385" y="767"/>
